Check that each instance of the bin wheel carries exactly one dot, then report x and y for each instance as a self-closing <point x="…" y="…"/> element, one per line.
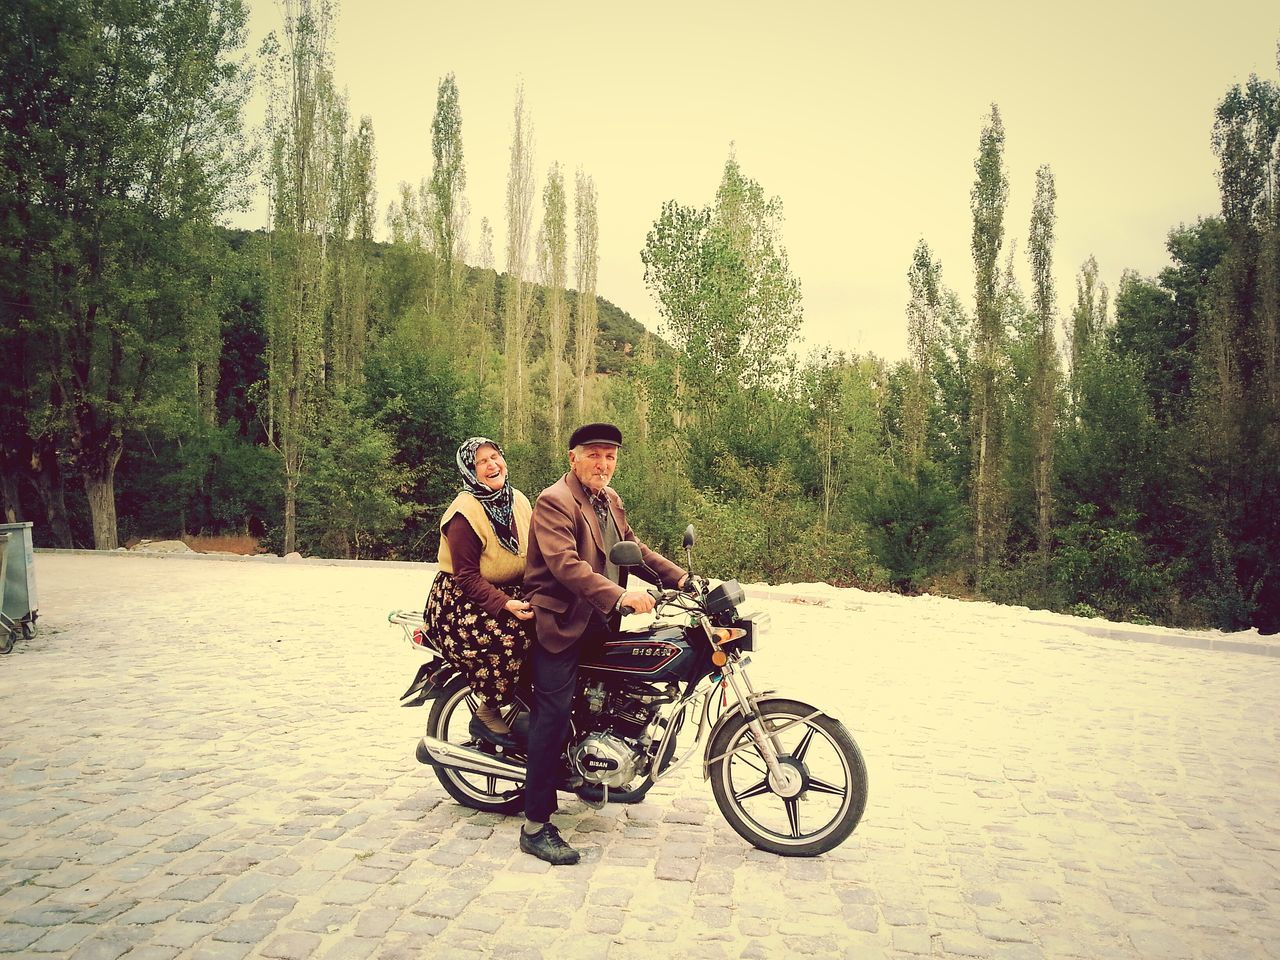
<point x="28" y="631"/>
<point x="7" y="639"/>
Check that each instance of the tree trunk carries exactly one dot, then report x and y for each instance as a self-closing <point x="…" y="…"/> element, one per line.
<point x="290" y="513"/>
<point x="48" y="484"/>
<point x="10" y="506"/>
<point x="980" y="500"/>
<point x="100" y="488"/>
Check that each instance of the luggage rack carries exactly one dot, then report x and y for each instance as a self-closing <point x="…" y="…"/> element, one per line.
<point x="410" y="621"/>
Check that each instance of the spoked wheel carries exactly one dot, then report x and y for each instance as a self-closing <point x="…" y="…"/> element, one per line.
<point x="818" y="800"/>
<point x="449" y="720"/>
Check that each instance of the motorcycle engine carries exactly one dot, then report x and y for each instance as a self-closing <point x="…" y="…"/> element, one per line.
<point x="605" y="759"/>
<point x="612" y="718"/>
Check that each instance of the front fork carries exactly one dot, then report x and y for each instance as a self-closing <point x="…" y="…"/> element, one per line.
<point x="766" y="743"/>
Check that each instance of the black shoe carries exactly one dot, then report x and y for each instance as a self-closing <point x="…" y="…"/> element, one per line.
<point x="547" y="845"/>
<point x="479" y="731"/>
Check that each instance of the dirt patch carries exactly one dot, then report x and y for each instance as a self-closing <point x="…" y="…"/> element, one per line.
<point x="242" y="544"/>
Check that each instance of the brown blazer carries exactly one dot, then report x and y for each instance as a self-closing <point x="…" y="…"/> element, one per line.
<point x="563" y="575"/>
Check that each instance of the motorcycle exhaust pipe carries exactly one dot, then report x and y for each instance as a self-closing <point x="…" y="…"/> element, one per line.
<point x="441" y="753"/>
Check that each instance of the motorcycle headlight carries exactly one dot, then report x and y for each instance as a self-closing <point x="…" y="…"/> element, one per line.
<point x="756" y="625"/>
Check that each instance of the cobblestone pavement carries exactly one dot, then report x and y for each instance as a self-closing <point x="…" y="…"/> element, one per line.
<point x="206" y="759"/>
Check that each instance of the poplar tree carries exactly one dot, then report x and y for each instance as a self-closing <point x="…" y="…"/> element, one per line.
<point x="352" y="282"/>
<point x="302" y="164"/>
<point x="553" y="243"/>
<point x="519" y="294"/>
<point x="987" y="202"/>
<point x="448" y="183"/>
<point x="586" y="267"/>
<point x="1088" y="319"/>
<point x="924" y="279"/>
<point x="1045" y="372"/>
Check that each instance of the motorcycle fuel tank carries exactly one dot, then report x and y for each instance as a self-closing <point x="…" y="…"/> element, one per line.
<point x="655" y="655"/>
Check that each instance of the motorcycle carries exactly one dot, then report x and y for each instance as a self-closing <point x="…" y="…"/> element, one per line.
<point x="787" y="776"/>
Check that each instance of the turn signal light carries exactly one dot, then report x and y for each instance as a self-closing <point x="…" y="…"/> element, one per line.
<point x="725" y="634"/>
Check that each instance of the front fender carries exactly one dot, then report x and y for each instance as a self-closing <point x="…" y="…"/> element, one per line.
<point x="725" y="717"/>
<point x="728" y="716"/>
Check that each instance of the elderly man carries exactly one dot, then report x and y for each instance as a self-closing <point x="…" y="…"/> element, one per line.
<point x="575" y="591"/>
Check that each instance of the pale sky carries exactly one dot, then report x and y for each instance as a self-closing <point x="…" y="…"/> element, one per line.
<point x="864" y="120"/>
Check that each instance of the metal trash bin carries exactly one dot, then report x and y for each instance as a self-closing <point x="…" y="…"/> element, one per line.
<point x="19" y="603"/>
<point x="8" y="629"/>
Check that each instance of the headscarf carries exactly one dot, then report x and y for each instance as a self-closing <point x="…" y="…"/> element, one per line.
<point x="498" y="504"/>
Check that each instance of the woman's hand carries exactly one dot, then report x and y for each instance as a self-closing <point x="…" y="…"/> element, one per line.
<point x="519" y="609"/>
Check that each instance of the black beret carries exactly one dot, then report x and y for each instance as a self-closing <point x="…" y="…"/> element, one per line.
<point x="595" y="433"/>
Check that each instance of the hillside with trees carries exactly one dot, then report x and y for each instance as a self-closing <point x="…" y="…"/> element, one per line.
<point x="1104" y="452"/>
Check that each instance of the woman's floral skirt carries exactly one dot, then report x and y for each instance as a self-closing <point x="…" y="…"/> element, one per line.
<point x="489" y="650"/>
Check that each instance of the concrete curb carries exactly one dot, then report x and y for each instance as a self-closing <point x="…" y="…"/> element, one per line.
<point x="1106" y="629"/>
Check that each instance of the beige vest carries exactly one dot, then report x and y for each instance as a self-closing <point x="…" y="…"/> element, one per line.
<point x="497" y="564"/>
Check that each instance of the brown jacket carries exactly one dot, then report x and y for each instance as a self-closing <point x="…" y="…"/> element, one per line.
<point x="563" y="576"/>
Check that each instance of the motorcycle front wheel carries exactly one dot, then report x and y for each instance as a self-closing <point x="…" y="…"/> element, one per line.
<point x="449" y="720"/>
<point x="819" y="799"/>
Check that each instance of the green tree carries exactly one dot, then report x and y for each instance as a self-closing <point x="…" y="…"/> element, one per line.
<point x="316" y="196"/>
<point x="924" y="279"/>
<point x="729" y="302"/>
<point x="448" y="186"/>
<point x="553" y="262"/>
<point x="1087" y="320"/>
<point x="586" y="269"/>
<point x="1046" y="373"/>
<point x="987" y="201"/>
<point x="122" y="143"/>
<point x="351" y="269"/>
<point x="349" y="491"/>
<point x="518" y="327"/>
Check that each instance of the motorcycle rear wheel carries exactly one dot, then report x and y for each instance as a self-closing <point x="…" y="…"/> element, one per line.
<point x="449" y="720"/>
<point x="823" y="797"/>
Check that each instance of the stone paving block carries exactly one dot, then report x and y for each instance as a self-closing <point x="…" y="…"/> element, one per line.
<point x="221" y="950"/>
<point x="967" y="944"/>
<point x="1162" y="944"/>
<point x="151" y="951"/>
<point x="180" y="934"/>
<point x="367" y="874"/>
<point x="292" y="946"/>
<point x="347" y="892"/>
<point x="250" y="930"/>
<point x="16" y="936"/>
<point x="351" y="948"/>
<point x="105" y="910"/>
<point x="668" y="868"/>
<point x="195" y="889"/>
<point x="107" y="948"/>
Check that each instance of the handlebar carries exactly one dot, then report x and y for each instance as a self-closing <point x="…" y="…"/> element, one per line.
<point x="660" y="597"/>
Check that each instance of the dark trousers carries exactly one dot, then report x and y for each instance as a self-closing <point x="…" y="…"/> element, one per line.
<point x="555" y="680"/>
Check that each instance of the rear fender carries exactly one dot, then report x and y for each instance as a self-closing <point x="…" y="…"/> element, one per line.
<point x="429" y="682"/>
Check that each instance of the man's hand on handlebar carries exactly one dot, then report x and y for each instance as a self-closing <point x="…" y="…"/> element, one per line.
<point x="636" y="601"/>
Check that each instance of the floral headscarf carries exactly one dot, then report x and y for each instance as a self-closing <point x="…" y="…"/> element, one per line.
<point x="497" y="503"/>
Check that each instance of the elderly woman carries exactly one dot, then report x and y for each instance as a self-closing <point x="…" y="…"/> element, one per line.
<point x="475" y="608"/>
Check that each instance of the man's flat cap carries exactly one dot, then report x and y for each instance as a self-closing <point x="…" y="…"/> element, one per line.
<point x="595" y="433"/>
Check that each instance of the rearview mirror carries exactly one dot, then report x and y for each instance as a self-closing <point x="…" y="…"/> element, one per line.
<point x="688" y="536"/>
<point x="626" y="553"/>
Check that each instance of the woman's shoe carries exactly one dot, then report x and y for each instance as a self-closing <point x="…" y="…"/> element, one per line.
<point x="480" y="731"/>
